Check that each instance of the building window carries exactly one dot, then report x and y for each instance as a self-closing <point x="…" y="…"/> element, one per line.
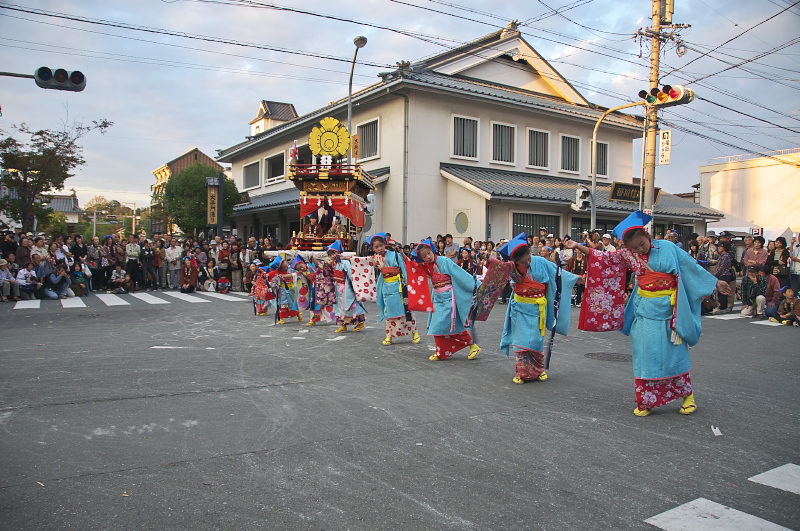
<point x="503" y="137"/>
<point x="601" y="168"/>
<point x="465" y="138"/>
<point x="369" y="140"/>
<point x="538" y="149"/>
<point x="531" y="223"/>
<point x="570" y="154"/>
<point x="581" y="225"/>
<point x="275" y="168"/>
<point x="251" y="176"/>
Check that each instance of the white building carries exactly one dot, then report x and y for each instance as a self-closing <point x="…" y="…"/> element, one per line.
<point x="486" y="140"/>
<point x="755" y="191"/>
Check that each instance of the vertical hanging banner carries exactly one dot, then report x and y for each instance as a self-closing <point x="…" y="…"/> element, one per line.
<point x="213" y="214"/>
<point x="356" y="146"/>
<point x="664" y="147"/>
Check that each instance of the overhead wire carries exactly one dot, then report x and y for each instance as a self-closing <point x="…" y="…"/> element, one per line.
<point x="185" y="35"/>
<point x="173" y="45"/>
<point x="735" y="37"/>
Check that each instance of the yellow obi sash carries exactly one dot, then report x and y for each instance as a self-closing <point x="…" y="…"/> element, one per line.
<point x="542" y="302"/>
<point x="654" y="284"/>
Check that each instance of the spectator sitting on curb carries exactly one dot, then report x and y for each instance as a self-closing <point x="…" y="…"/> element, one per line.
<point x="58" y="283"/>
<point x="117" y="279"/>
<point x="789" y="310"/>
<point x="79" y="284"/>
<point x="8" y="282"/>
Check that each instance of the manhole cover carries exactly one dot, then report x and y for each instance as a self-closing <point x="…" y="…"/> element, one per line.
<point x="608" y="356"/>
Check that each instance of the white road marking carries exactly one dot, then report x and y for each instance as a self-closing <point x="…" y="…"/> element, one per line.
<point x="767" y="323"/>
<point x="336" y="338"/>
<point x="27" y="305"/>
<point x="112" y="300"/>
<point x="185" y="297"/>
<point x="166" y="346"/>
<point x="73" y="302"/>
<point x="705" y="515"/>
<point x="221" y="296"/>
<point x="149" y="299"/>
<point x="726" y="316"/>
<point x="785" y="477"/>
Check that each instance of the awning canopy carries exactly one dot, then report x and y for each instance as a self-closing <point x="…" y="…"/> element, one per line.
<point x="350" y="207"/>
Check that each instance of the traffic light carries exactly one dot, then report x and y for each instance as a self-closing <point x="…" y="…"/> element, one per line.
<point x="582" y="199"/>
<point x="667" y="96"/>
<point x="60" y="79"/>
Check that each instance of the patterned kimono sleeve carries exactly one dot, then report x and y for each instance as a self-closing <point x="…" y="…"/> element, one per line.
<point x="419" y="288"/>
<point x="603" y="307"/>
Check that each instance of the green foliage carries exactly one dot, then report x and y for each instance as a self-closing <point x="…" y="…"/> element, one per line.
<point x="39" y="165"/>
<point x="56" y="224"/>
<point x="185" y="198"/>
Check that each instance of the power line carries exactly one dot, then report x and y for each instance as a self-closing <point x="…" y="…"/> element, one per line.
<point x="736" y="36"/>
<point x="165" y="62"/>
<point x="748" y="115"/>
<point x="184" y="35"/>
<point x="172" y="45"/>
<point x="712" y="139"/>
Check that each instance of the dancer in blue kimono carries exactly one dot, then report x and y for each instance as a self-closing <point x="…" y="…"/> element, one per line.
<point x="348" y="309"/>
<point x="452" y="298"/>
<point x="662" y="315"/>
<point x="284" y="283"/>
<point x="531" y="311"/>
<point x="392" y="290"/>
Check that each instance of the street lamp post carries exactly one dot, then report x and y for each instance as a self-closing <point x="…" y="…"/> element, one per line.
<point x="133" y="218"/>
<point x="360" y="42"/>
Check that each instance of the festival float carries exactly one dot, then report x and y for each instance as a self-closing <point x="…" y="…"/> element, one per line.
<point x="330" y="186"/>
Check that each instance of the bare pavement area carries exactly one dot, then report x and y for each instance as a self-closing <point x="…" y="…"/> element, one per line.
<point x="202" y="416"/>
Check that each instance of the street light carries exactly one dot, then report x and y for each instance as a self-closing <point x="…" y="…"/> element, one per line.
<point x="94" y="221"/>
<point x="133" y="218"/>
<point x="360" y="42"/>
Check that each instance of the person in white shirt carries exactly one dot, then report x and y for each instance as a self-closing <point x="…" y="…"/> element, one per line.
<point x="607" y="245"/>
<point x="173" y="257"/>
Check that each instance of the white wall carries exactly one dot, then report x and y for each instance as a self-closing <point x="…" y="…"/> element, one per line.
<point x="763" y="191"/>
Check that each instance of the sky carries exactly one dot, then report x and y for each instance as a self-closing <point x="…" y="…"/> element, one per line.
<point x="167" y="94"/>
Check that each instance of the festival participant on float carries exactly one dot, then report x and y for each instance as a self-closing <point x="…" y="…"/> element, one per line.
<point x="662" y="315"/>
<point x="283" y="282"/>
<point x="531" y="312"/>
<point x="348" y="310"/>
<point x="261" y="292"/>
<point x="452" y="298"/>
<point x="392" y="290"/>
<point x="303" y="285"/>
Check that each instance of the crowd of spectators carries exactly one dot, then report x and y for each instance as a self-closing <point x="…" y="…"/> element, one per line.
<point x="761" y="275"/>
<point x="34" y="266"/>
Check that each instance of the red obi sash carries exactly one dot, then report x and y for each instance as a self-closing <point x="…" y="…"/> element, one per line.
<point x="530" y="288"/>
<point x="339" y="276"/>
<point x="655" y="281"/>
<point x="441" y="280"/>
<point x="390" y="271"/>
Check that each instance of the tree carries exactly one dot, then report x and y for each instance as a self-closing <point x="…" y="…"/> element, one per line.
<point x="56" y="224"/>
<point x="185" y="198"/>
<point x="39" y="165"/>
<point x="98" y="203"/>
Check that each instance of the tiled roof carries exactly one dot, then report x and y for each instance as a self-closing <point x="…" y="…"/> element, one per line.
<point x="271" y="200"/>
<point x="527" y="98"/>
<point x="455" y="84"/>
<point x="65" y="204"/>
<point x="503" y="184"/>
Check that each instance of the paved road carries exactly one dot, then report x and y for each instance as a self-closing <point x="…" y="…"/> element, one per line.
<point x="200" y="415"/>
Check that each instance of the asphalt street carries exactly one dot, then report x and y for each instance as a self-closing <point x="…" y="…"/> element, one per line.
<point x="178" y="415"/>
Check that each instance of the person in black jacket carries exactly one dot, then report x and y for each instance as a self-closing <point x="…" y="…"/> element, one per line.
<point x="149" y="274"/>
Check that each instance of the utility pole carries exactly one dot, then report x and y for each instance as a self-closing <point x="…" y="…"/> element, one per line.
<point x="652" y="110"/>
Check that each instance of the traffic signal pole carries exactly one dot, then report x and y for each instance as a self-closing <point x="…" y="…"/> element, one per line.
<point x="593" y="146"/>
<point x="652" y="112"/>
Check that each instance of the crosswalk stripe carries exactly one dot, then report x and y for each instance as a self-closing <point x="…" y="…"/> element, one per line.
<point x="727" y="316"/>
<point x="185" y="297"/>
<point x="112" y="300"/>
<point x="27" y="305"/>
<point x="149" y="299"/>
<point x="221" y="296"/>
<point x="785" y="477"/>
<point x="705" y="515"/>
<point x="73" y="302"/>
